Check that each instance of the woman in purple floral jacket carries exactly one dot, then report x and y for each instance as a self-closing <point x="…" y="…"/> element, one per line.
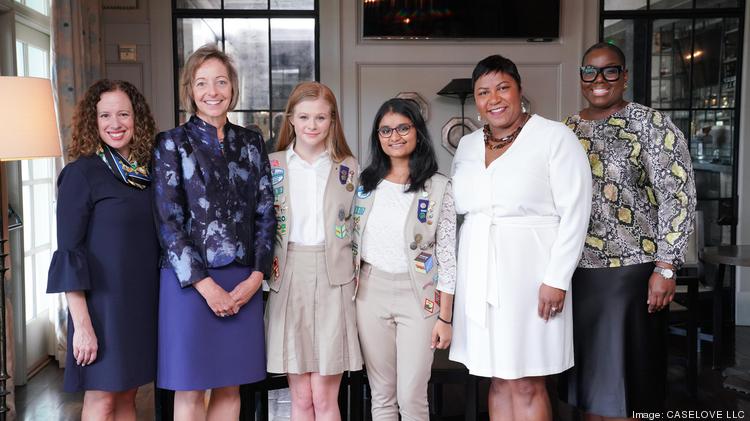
<point x="214" y="209"/>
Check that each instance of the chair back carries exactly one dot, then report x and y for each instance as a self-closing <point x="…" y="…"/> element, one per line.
<point x="696" y="244"/>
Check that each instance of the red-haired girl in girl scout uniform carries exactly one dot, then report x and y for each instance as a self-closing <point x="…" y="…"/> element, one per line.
<point x="404" y="243"/>
<point x="311" y="331"/>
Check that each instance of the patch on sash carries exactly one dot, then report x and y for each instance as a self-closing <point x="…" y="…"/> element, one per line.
<point x="341" y="231"/>
<point x="359" y="210"/>
<point x="275" y="268"/>
<point x="275" y="163"/>
<point x="437" y="297"/>
<point x="361" y="193"/>
<point x="277" y="175"/>
<point x="422" y="210"/>
<point x="343" y="174"/>
<point x="423" y="262"/>
<point x="277" y="191"/>
<point x="429" y="305"/>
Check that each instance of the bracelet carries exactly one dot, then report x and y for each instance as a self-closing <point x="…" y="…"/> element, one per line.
<point x="444" y="321"/>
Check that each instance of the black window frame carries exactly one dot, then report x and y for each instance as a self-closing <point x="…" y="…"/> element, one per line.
<point x="222" y="14"/>
<point x="643" y="20"/>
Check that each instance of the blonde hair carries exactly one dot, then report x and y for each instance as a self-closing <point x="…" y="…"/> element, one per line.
<point x="196" y="60"/>
<point x="310" y="91"/>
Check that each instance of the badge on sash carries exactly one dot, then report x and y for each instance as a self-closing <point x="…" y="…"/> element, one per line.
<point x="277" y="191"/>
<point x="359" y="210"/>
<point x="437" y="297"/>
<point x="422" y="210"/>
<point x="361" y="193"/>
<point x="277" y="175"/>
<point x="341" y="231"/>
<point x="275" y="163"/>
<point x="423" y="262"/>
<point x="275" y="268"/>
<point x="341" y="214"/>
<point x="429" y="305"/>
<point x="343" y="174"/>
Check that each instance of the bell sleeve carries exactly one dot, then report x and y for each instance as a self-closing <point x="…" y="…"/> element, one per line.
<point x="69" y="269"/>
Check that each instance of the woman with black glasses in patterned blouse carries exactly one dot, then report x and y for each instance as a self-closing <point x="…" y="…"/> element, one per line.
<point x="641" y="217"/>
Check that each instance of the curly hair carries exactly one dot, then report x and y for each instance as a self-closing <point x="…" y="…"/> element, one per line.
<point x="86" y="129"/>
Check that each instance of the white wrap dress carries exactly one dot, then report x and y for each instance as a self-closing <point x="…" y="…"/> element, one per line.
<point x="525" y="224"/>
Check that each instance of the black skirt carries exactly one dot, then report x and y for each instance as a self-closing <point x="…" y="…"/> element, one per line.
<point x="620" y="349"/>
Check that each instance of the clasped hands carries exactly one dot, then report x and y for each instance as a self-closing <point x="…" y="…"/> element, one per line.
<point x="224" y="303"/>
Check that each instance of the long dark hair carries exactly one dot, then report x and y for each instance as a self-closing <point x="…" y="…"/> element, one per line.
<point x="422" y="162"/>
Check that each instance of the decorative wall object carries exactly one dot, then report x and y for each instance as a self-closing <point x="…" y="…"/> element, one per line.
<point x="424" y="107"/>
<point x="453" y="130"/>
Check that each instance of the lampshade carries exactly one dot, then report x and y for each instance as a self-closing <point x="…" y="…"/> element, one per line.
<point x="28" y="123"/>
<point x="457" y="88"/>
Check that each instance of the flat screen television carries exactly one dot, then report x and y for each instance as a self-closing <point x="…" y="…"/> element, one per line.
<point x="460" y="19"/>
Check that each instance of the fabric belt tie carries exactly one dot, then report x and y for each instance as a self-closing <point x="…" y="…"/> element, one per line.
<point x="482" y="252"/>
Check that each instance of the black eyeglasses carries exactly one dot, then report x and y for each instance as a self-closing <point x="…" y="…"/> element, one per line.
<point x="610" y="73"/>
<point x="401" y="129"/>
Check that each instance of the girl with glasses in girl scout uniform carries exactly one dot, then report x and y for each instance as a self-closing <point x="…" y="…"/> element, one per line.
<point x="310" y="318"/>
<point x="404" y="244"/>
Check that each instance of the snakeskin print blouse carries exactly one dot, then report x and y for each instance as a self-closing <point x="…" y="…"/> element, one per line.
<point x="643" y="188"/>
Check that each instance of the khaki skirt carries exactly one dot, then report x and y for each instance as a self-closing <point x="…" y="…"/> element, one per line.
<point x="311" y="326"/>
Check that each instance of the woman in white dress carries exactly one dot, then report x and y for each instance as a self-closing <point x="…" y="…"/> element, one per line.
<point x="524" y="183"/>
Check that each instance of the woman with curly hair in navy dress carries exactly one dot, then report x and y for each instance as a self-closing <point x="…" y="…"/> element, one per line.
<point x="107" y="257"/>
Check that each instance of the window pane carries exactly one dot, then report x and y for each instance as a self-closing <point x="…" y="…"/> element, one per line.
<point x="41" y="168"/>
<point x="257" y="120"/>
<point x="273" y="142"/>
<point x="247" y="43"/>
<point x="293" y="4"/>
<point x="711" y="140"/>
<point x="194" y="33"/>
<point x="38" y="65"/>
<point x="624" y="4"/>
<point x="38" y="5"/>
<point x="20" y="62"/>
<point x="670" y="63"/>
<point x="41" y="266"/>
<point x="620" y="33"/>
<point x="28" y="279"/>
<point x="715" y="3"/>
<point x="42" y="214"/>
<point x="198" y="4"/>
<point x="671" y="4"/>
<point x="27" y="213"/>
<point x="246" y="4"/>
<point x="25" y="175"/>
<point x="293" y="56"/>
<point x="715" y="62"/>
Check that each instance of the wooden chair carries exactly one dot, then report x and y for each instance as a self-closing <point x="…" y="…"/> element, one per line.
<point x="685" y="309"/>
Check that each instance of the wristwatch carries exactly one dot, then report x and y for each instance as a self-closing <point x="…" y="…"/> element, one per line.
<point x="666" y="273"/>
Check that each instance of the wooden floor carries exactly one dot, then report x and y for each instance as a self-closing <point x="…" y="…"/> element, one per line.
<point x="42" y="398"/>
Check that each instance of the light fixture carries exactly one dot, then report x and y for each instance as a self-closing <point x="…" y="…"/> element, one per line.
<point x="28" y="129"/>
<point x="695" y="54"/>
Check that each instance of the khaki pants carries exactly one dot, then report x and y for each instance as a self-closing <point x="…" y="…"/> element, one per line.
<point x="395" y="340"/>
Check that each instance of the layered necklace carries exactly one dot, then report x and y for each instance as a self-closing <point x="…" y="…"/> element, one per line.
<point x="491" y="142"/>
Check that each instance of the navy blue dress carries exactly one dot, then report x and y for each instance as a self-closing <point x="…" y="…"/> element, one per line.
<point x="108" y="247"/>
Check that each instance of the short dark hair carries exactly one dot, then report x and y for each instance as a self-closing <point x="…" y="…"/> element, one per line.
<point x="494" y="64"/>
<point x="422" y="162"/>
<point x="606" y="46"/>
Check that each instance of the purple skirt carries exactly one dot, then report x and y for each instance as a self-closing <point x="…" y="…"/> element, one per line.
<point x="199" y="350"/>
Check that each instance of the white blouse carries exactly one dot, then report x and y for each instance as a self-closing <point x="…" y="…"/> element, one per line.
<point x="383" y="241"/>
<point x="307" y="184"/>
